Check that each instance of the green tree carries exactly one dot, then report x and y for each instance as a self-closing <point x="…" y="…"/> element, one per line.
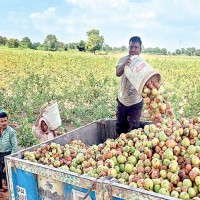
<point x="36" y="45"/>
<point x="156" y="50"/>
<point x="95" y="41"/>
<point x="183" y="51"/>
<point x="124" y="48"/>
<point x="107" y="48"/>
<point x="3" y="40"/>
<point x="13" y="43"/>
<point x="190" y="51"/>
<point x="51" y="43"/>
<point x="26" y="43"/>
<point x="81" y="46"/>
<point x="178" y="51"/>
<point x="197" y="53"/>
<point x="61" y="45"/>
<point x="193" y="49"/>
<point x="164" y="51"/>
<point x="116" y="49"/>
<point x="72" y="45"/>
<point x="66" y="47"/>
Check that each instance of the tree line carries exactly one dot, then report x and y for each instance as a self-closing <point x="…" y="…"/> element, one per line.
<point x="94" y="42"/>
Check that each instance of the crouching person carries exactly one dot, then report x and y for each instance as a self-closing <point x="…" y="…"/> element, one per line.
<point x="41" y="130"/>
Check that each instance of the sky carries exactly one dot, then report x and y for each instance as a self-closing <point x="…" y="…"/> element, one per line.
<point x="170" y="24"/>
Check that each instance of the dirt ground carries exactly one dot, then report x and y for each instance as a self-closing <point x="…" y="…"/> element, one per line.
<point x="3" y="195"/>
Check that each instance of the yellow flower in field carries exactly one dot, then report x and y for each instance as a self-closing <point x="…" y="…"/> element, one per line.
<point x="181" y="111"/>
<point x="69" y="105"/>
<point x="87" y="105"/>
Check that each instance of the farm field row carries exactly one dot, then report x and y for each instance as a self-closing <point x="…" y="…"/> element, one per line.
<point x="84" y="85"/>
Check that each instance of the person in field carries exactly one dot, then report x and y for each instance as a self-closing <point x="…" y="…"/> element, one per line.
<point x="129" y="101"/>
<point x="41" y="130"/>
<point x="8" y="145"/>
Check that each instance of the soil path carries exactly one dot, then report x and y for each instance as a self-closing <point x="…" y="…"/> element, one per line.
<point x="4" y="195"/>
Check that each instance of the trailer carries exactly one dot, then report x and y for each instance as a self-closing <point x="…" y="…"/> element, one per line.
<point x="34" y="181"/>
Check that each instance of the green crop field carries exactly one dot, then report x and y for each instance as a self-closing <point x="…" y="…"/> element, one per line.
<point x="84" y="85"/>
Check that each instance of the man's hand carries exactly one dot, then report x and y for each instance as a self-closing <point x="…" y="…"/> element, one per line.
<point x="121" y="65"/>
<point x="127" y="61"/>
<point x="4" y="170"/>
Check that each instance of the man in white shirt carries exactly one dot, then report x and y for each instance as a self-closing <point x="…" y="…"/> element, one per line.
<point x="130" y="102"/>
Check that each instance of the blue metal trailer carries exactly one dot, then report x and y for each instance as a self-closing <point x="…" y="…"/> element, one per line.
<point x="34" y="181"/>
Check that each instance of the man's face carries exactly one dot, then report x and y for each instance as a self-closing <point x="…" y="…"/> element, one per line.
<point x="3" y="123"/>
<point x="134" y="48"/>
